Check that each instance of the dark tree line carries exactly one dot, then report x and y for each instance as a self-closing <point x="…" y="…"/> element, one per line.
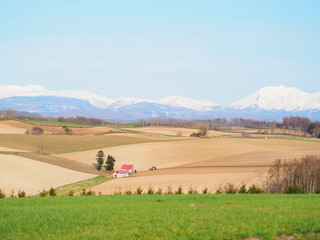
<point x="252" y="123"/>
<point x="83" y="120"/>
<point x="301" y="124"/>
<point x="294" y="176"/>
<point x="314" y="129"/>
<point x="296" y="123"/>
<point x="77" y="120"/>
<point x="289" y="123"/>
<point x="8" y="114"/>
<point x="211" y="124"/>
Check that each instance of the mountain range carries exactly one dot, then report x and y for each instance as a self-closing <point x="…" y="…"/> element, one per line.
<point x="268" y="103"/>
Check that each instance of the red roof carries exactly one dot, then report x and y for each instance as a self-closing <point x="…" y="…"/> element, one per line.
<point x="122" y="171"/>
<point x="125" y="166"/>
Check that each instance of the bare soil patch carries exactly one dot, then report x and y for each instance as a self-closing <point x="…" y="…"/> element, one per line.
<point x="62" y="162"/>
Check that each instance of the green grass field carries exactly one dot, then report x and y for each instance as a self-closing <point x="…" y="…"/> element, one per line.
<point x="78" y="186"/>
<point x="133" y="124"/>
<point x="161" y="217"/>
<point x="64" y="144"/>
<point x="55" y="123"/>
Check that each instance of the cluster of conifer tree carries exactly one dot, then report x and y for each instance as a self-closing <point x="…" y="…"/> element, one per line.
<point x="109" y="161"/>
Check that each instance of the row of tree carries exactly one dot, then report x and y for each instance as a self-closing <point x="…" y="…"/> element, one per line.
<point x="301" y="124"/>
<point x="40" y="131"/>
<point x="77" y="120"/>
<point x="109" y="161"/>
<point x="8" y="114"/>
<point x="211" y="124"/>
<point x="314" y="129"/>
<point x="288" y="123"/>
<point x="296" y="123"/>
<point x="83" y="120"/>
<point x="295" y="176"/>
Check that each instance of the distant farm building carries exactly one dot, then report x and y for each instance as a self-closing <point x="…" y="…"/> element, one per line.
<point x="129" y="168"/>
<point x="120" y="174"/>
<point x="125" y="171"/>
<point x="2" y="116"/>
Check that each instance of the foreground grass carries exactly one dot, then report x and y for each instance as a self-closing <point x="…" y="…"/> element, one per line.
<point x="159" y="217"/>
<point x="64" y="144"/>
<point x="78" y="186"/>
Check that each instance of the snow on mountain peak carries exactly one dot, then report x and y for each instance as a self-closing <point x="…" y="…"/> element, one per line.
<point x="267" y="98"/>
<point x="101" y="101"/>
<point x="177" y="101"/>
<point x="94" y="99"/>
<point x="35" y="91"/>
<point x="121" y="102"/>
<point x="277" y="98"/>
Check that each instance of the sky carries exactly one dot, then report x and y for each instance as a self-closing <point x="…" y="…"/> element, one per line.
<point x="219" y="51"/>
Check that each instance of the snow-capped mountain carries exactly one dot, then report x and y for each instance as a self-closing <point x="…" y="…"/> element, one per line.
<point x="100" y="101"/>
<point x="269" y="103"/>
<point x="37" y="91"/>
<point x="313" y="102"/>
<point x="198" y="105"/>
<point x="279" y="98"/>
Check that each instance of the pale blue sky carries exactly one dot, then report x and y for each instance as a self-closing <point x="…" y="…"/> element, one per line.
<point x="219" y="51"/>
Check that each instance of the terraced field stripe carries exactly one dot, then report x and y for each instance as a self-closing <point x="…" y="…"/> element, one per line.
<point x="78" y="186"/>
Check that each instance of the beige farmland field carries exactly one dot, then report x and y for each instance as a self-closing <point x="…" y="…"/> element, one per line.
<point x="12" y="127"/>
<point x="198" y="162"/>
<point x="17" y="127"/>
<point x="184" y="132"/>
<point x="19" y="173"/>
<point x="5" y="149"/>
<point x="185" y="161"/>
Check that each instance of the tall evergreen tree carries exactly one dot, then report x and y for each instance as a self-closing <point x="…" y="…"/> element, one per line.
<point x="100" y="159"/>
<point x="110" y="163"/>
